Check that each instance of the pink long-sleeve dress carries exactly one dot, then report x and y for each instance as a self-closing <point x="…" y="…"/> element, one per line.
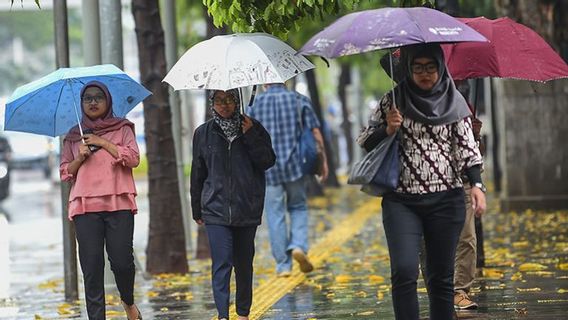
<point x="103" y="182"/>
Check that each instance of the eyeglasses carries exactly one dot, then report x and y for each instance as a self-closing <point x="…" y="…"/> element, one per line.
<point x="420" y="68"/>
<point x="90" y="99"/>
<point x="227" y="101"/>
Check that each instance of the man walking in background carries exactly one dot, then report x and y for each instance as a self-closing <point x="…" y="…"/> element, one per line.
<point x="280" y="111"/>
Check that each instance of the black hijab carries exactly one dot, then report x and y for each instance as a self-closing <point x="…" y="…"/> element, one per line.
<point x="441" y="105"/>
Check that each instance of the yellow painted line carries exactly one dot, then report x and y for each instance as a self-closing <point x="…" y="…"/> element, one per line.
<point x="267" y="294"/>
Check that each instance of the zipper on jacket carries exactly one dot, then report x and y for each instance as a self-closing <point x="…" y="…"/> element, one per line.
<point x="230" y="184"/>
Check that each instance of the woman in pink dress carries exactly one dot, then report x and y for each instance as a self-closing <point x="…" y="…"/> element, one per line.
<point x="98" y="164"/>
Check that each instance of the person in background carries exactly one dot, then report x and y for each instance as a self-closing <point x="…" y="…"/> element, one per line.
<point x="102" y="198"/>
<point x="436" y="148"/>
<point x="280" y="112"/>
<point x="231" y="153"/>
<point x="466" y="252"/>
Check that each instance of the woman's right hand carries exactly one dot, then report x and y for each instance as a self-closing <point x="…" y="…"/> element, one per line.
<point x="84" y="152"/>
<point x="394" y="120"/>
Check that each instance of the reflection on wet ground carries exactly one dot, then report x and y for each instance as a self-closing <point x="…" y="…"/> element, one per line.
<point x="525" y="276"/>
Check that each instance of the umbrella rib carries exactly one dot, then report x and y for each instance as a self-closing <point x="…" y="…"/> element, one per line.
<point x="529" y="53"/>
<point x="414" y="21"/>
<point x="57" y="109"/>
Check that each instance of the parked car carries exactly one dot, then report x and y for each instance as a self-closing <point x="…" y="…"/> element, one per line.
<point x="31" y="151"/>
<point x="5" y="155"/>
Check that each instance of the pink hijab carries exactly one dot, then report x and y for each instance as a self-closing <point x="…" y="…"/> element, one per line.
<point x="100" y="126"/>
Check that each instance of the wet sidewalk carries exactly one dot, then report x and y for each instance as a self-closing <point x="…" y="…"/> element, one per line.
<point x="526" y="276"/>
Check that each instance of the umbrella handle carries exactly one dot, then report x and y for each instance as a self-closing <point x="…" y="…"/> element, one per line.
<point x="253" y="94"/>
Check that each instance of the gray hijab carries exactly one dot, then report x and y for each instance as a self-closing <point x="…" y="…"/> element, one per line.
<point x="441" y="105"/>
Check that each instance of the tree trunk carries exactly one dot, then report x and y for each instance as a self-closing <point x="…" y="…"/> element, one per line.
<point x="560" y="18"/>
<point x="344" y="80"/>
<point x="314" y="95"/>
<point x="166" y="242"/>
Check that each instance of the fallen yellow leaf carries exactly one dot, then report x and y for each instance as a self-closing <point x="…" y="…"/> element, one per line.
<point x="50" y="284"/>
<point x="375" y="279"/>
<point x="64" y="308"/>
<point x="528" y="289"/>
<point x="562" y="266"/>
<point x="532" y="267"/>
<point x="361" y="294"/>
<point x="517" y="276"/>
<point x="520" y="244"/>
<point x="345" y="278"/>
<point x="492" y="273"/>
<point x="114" y="313"/>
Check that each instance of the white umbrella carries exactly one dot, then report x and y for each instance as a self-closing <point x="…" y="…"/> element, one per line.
<point x="236" y="60"/>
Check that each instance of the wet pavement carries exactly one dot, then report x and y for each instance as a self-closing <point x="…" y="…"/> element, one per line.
<point x="526" y="274"/>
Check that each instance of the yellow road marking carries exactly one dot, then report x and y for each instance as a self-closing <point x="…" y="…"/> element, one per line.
<point x="267" y="294"/>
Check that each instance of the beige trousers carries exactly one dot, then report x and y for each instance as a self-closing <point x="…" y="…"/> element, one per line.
<point x="466" y="251"/>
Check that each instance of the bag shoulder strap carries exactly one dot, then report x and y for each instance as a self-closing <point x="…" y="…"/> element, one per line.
<point x="300" y="111"/>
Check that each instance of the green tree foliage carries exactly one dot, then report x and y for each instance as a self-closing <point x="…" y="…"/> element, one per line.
<point x="277" y="17"/>
<point x="477" y="8"/>
<point x="191" y="25"/>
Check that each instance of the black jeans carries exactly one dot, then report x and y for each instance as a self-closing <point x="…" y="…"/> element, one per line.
<point x="231" y="247"/>
<point x="93" y="231"/>
<point x="439" y="218"/>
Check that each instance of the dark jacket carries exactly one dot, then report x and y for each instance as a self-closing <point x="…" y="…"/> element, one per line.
<point x="227" y="178"/>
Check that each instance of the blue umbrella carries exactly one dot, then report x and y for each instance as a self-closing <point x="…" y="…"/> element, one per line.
<point x="51" y="105"/>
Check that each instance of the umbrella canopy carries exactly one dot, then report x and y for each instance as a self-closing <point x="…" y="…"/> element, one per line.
<point x="236" y="60"/>
<point x="385" y="28"/>
<point x="51" y="105"/>
<point x="515" y="52"/>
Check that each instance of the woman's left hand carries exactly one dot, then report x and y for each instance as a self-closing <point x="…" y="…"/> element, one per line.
<point x="247" y="124"/>
<point x="478" y="201"/>
<point x="94" y="140"/>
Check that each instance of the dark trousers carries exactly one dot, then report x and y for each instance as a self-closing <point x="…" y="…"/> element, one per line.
<point x="231" y="247"/>
<point x="93" y="231"/>
<point x="438" y="219"/>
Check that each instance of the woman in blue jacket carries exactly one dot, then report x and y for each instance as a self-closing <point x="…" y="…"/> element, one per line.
<point x="231" y="152"/>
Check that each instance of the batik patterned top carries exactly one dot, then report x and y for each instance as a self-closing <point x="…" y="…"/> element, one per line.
<point x="433" y="157"/>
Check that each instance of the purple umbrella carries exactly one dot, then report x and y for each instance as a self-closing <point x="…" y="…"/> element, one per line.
<point x="385" y="28"/>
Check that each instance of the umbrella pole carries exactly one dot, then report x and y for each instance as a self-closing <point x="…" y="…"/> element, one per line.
<point x="76" y="112"/>
<point x="241" y="103"/>
<point x="475" y="98"/>
<point x="392" y="77"/>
